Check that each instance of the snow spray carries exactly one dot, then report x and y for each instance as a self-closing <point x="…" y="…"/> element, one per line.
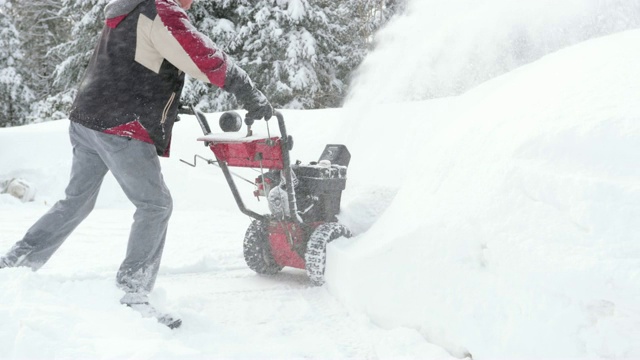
<point x="440" y="48"/>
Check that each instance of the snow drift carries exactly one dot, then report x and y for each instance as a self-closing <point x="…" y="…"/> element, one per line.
<point x="513" y="232"/>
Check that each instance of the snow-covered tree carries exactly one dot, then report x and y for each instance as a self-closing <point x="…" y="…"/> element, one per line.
<point x="292" y="49"/>
<point x="85" y="20"/>
<point x="41" y="28"/>
<point x="372" y="14"/>
<point x="15" y="95"/>
<point x="299" y="52"/>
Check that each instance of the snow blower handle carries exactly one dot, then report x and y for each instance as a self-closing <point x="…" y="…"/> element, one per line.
<point x="250" y="118"/>
<point x="202" y="120"/>
<point x="286" y="143"/>
<point x="257" y="109"/>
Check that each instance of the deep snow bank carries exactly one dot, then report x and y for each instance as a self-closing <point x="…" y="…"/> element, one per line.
<point x="515" y="230"/>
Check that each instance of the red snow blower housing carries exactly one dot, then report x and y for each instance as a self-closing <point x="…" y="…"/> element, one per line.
<point x="303" y="199"/>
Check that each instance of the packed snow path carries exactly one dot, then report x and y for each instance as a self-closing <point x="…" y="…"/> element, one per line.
<point x="69" y="309"/>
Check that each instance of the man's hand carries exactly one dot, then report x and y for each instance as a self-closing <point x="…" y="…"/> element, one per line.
<point x="257" y="106"/>
<point x="253" y="100"/>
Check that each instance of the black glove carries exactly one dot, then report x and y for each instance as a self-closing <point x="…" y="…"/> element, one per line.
<point x="257" y="107"/>
<point x="253" y="100"/>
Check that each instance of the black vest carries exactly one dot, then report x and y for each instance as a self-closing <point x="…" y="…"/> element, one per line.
<point x="116" y="90"/>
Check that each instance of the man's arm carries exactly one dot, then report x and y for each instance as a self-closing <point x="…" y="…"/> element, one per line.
<point x="178" y="41"/>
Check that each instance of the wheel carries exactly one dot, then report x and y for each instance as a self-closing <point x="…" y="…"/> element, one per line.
<point x="315" y="256"/>
<point x="257" y="250"/>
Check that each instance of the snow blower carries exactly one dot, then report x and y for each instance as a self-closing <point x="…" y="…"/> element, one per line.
<point x="303" y="199"/>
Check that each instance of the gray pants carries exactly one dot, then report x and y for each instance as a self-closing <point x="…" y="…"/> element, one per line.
<point x="136" y="167"/>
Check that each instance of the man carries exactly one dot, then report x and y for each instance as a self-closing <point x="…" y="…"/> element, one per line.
<point x="121" y="120"/>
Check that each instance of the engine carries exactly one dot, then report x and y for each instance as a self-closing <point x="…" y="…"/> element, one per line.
<point x="318" y="186"/>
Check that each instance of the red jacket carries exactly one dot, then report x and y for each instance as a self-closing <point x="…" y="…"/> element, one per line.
<point x="136" y="74"/>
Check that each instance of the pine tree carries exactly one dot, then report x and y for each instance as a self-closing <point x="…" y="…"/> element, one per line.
<point x="85" y="20"/>
<point x="41" y="28"/>
<point x="371" y="15"/>
<point x="15" y="95"/>
<point x="299" y="52"/>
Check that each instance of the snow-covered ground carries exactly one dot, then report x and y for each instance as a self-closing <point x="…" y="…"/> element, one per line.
<point x="70" y="310"/>
<point x="498" y="224"/>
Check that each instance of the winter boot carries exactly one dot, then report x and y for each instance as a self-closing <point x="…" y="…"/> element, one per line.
<point x="140" y="303"/>
<point x="148" y="311"/>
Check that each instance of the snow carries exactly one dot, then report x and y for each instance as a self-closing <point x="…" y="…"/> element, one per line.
<point x="500" y="224"/>
<point x="513" y="232"/>
<point x="224" y="25"/>
<point x="296" y="9"/>
<point x="444" y="48"/>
